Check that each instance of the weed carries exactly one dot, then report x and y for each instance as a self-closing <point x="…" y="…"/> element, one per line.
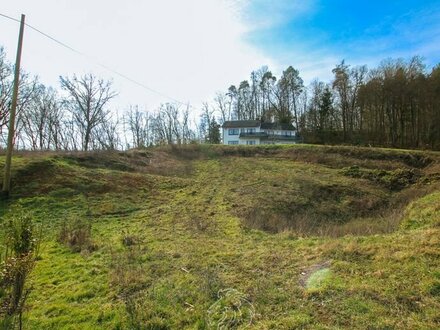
<point x="231" y="310"/>
<point x="199" y="223"/>
<point x="394" y="180"/>
<point x="129" y="240"/>
<point x="211" y="283"/>
<point x="76" y="233"/>
<point x="435" y="289"/>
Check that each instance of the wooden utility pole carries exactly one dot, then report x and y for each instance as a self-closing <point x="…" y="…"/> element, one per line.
<point x="7" y="176"/>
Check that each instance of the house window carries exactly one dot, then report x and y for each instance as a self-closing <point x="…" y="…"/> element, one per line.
<point x="233" y="131"/>
<point x="250" y="130"/>
<point x="250" y="143"/>
<point x="232" y="142"/>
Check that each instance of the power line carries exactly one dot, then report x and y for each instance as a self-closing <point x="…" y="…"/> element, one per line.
<point x="91" y="59"/>
<point x="9" y="17"/>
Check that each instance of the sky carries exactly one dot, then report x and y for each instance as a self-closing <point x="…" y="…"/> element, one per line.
<point x="189" y="50"/>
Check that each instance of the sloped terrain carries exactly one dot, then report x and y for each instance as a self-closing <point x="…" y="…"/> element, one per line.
<point x="258" y="237"/>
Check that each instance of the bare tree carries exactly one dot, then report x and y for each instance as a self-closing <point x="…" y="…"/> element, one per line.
<point x="5" y="88"/>
<point x="347" y="83"/>
<point x="70" y="140"/>
<point x="138" y="123"/>
<point x="26" y="87"/>
<point x="40" y="119"/>
<point x="187" y="134"/>
<point x="107" y="134"/>
<point x="291" y="86"/>
<point x="170" y="125"/>
<point x="207" y="123"/>
<point x="223" y="107"/>
<point x="267" y="86"/>
<point x="88" y="96"/>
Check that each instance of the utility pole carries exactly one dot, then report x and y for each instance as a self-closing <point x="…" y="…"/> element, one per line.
<point x="7" y="176"/>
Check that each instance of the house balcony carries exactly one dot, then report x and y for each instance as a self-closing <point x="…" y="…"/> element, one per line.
<point x="251" y="135"/>
<point x="269" y="137"/>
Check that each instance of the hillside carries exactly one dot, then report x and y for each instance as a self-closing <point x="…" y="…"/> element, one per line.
<point x="193" y="237"/>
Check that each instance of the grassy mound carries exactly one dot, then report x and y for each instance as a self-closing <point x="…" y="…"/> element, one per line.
<point x="303" y="236"/>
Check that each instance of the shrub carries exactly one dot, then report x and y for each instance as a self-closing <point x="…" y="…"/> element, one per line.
<point x="199" y="223"/>
<point x="129" y="240"/>
<point x="210" y="281"/>
<point x="16" y="264"/>
<point x="393" y="180"/>
<point x="76" y="233"/>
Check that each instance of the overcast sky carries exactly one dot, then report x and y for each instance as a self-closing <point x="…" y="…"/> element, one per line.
<point x="190" y="49"/>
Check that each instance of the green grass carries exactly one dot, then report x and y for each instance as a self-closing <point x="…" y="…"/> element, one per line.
<point x="319" y="279"/>
<point x="298" y="241"/>
<point x="423" y="212"/>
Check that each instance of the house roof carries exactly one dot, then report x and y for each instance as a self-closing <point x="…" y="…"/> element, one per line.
<point x="277" y="126"/>
<point x="241" y="123"/>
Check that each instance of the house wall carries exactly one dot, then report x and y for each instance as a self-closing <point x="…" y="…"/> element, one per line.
<point x="279" y="132"/>
<point x="227" y="138"/>
<point x="230" y="139"/>
<point x="248" y="141"/>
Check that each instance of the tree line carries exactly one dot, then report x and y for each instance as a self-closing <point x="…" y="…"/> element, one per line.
<point x="78" y="117"/>
<point x="396" y="104"/>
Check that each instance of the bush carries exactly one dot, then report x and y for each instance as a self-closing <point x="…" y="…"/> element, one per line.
<point x="393" y="180"/>
<point x="76" y="233"/>
<point x="16" y="264"/>
<point x="129" y="240"/>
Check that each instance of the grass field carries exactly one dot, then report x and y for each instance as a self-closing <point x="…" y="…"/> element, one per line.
<point x="200" y="237"/>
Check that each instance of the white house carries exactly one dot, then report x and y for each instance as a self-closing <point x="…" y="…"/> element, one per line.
<point x="253" y="132"/>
